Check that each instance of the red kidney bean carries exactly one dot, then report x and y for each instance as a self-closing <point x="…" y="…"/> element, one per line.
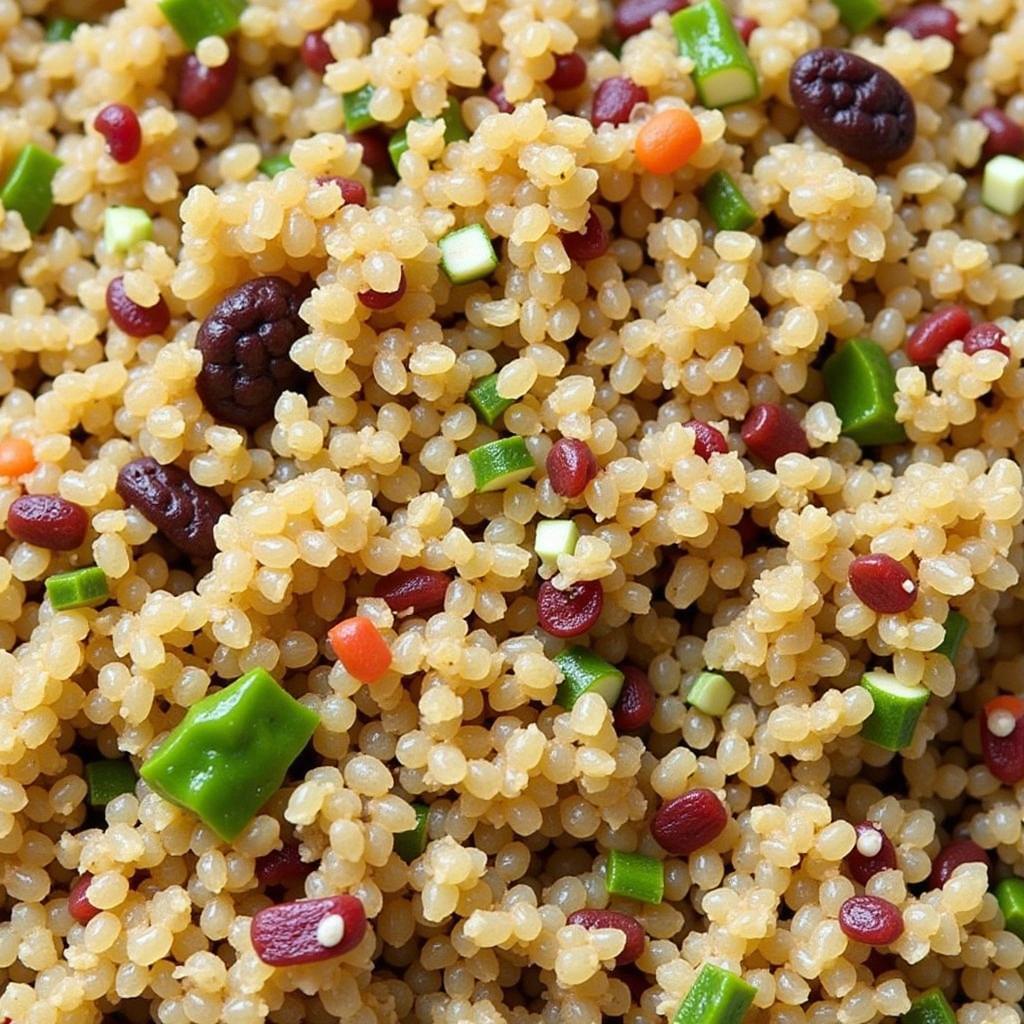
<point x="862" y="865"/>
<point x="634" y="980"/>
<point x="1003" y="749"/>
<point x="570" y="72"/>
<point x="202" y="91"/>
<point x="416" y="589"/>
<point x="708" y="440"/>
<point x="296" y="932"/>
<point x="986" y="336"/>
<point x="635" y="707"/>
<point x="372" y="299"/>
<point x="135" y="320"/>
<point x="882" y="583"/>
<point x="691" y="821"/>
<point x="633" y="16"/>
<point x="871" y="919"/>
<point x="930" y="337"/>
<point x="375" y="150"/>
<point x="750" y="533"/>
<point x="745" y="26"/>
<point x="496" y="94"/>
<point x="951" y="856"/>
<point x="588" y="244"/>
<point x="315" y="52"/>
<point x="353" y="192"/>
<point x="566" y="613"/>
<point x="770" y="431"/>
<point x="79" y="906"/>
<point x="281" y="867"/>
<point x="571" y="466"/>
<point x="614" y="100"/>
<point x="636" y="937"/>
<point x="119" y="125"/>
<point x="925" y="20"/>
<point x="48" y="521"/>
<point x="1005" y="136"/>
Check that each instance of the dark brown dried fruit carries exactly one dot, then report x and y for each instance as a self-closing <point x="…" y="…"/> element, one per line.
<point x="245" y="342"/>
<point x="182" y="510"/>
<point x="853" y="105"/>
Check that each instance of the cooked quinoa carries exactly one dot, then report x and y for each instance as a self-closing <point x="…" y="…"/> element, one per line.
<point x="723" y="561"/>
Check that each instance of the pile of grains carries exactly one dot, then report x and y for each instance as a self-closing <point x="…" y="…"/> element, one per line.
<point x="708" y="559"/>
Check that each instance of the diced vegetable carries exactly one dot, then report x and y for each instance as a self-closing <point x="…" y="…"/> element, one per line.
<point x="1002" y="185"/>
<point x="360" y="648"/>
<point x="454" y="131"/>
<point x="585" y="672"/>
<point x="857" y="15"/>
<point x="956" y="629"/>
<point x="27" y="188"/>
<point x="60" y="30"/>
<point x="356" y="107"/>
<point x="500" y="463"/>
<point x="79" y="588"/>
<point x="484" y="397"/>
<point x="271" y="165"/>
<point x="409" y="845"/>
<point x="1010" y="896"/>
<point x="109" y="779"/>
<point x="722" y="70"/>
<point x="555" y="537"/>
<point x="635" y="876"/>
<point x="17" y="456"/>
<point x="467" y="254"/>
<point x="930" y="1007"/>
<point x="196" y="19"/>
<point x="725" y="202"/>
<point x="125" y="226"/>
<point x="230" y="752"/>
<point x="717" y="997"/>
<point x="897" y="708"/>
<point x="711" y="693"/>
<point x="668" y="141"/>
<point x="861" y="384"/>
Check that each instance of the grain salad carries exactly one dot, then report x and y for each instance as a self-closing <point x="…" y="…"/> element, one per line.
<point x="510" y="512"/>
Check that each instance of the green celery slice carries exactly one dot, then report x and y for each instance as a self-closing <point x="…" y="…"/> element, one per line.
<point x="635" y="876"/>
<point x="79" y="588"/>
<point x="725" y="202"/>
<point x="723" y="72"/>
<point x="717" y="997"/>
<point x="583" y="671"/>
<point x="897" y="709"/>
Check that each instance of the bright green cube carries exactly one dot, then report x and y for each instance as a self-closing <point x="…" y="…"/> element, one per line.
<point x="717" y="997"/>
<point x="861" y="384"/>
<point x="196" y="19"/>
<point x="27" y="188"/>
<point x="636" y="876"/>
<point x="1002" y="184"/>
<point x="80" y="588"/>
<point x="124" y="227"/>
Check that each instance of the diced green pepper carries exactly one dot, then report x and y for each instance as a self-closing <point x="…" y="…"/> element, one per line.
<point x="500" y="463"/>
<point x="1010" y="896"/>
<point x="583" y="671"/>
<point x="611" y="42"/>
<point x="124" y="227"/>
<point x="196" y="19"/>
<point x="635" y="876"/>
<point x="725" y="202"/>
<point x="897" y="708"/>
<point x="858" y="15"/>
<point x="60" y="30"/>
<point x="79" y="588"/>
<point x="467" y="254"/>
<point x="454" y="131"/>
<point x="554" y="537"/>
<point x="930" y="1007"/>
<point x="1002" y="184"/>
<point x="231" y="751"/>
<point x="27" y="188"/>
<point x="711" y="693"/>
<point x="956" y="629"/>
<point x="271" y="165"/>
<point x="717" y="997"/>
<point x="356" y="107"/>
<point x="861" y="384"/>
<point x="484" y="397"/>
<point x="109" y="779"/>
<point x="723" y="72"/>
<point x="410" y="845"/>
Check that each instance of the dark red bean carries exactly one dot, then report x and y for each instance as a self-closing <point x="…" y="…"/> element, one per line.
<point x="353" y="192"/>
<point x="282" y="867"/>
<point x="635" y="707"/>
<point x="375" y="150"/>
<point x="315" y="52"/>
<point x="119" y="125"/>
<point x="750" y="533"/>
<point x="1005" y="136"/>
<point x="570" y="72"/>
<point x="871" y="919"/>
<point x="614" y="100"/>
<point x="138" y="321"/>
<point x="417" y="589"/>
<point x="636" y="937"/>
<point x="79" y="906"/>
<point x="496" y="94"/>
<point x="287" y="934"/>
<point x="385" y="10"/>
<point x="691" y="821"/>
<point x="202" y="91"/>
<point x="633" y="16"/>
<point x="951" y="856"/>
<point x="878" y="963"/>
<point x="745" y="26"/>
<point x="571" y="466"/>
<point x="566" y="613"/>
<point x="862" y="866"/>
<point x="384" y="300"/>
<point x="1003" y="746"/>
<point x="929" y="338"/>
<point x="182" y="510"/>
<point x="882" y="583"/>
<point x="925" y="20"/>
<point x="708" y="440"/>
<point x="588" y="244"/>
<point x="982" y="337"/>
<point x="48" y="521"/>
<point x="634" y="980"/>
<point x="771" y="431"/>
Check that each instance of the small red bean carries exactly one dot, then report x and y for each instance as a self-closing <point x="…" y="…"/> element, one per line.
<point x="635" y="707"/>
<point x="375" y="150"/>
<point x="745" y="26"/>
<point x="79" y="906"/>
<point x="281" y="867"/>
<point x="708" y="440"/>
<point x="383" y="300"/>
<point x="202" y="91"/>
<point x="882" y="583"/>
<point x="925" y="20"/>
<point x="636" y="937"/>
<point x="138" y="321"/>
<point x="416" y="589"/>
<point x="353" y="192"/>
<point x="863" y="865"/>
<point x="570" y="72"/>
<point x="588" y="244"/>
<point x="567" y="613"/>
<point x="614" y="100"/>
<point x="771" y="431"/>
<point x="1002" y="738"/>
<point x="1005" y="136"/>
<point x="496" y="94"/>
<point x="951" y="856"/>
<point x="930" y="337"/>
<point x="870" y="919"/>
<point x="315" y="52"/>
<point x="689" y="822"/>
<point x="750" y="533"/>
<point x="47" y="521"/>
<point x="307" y="931"/>
<point x="982" y="337"/>
<point x="571" y="466"/>
<point x="119" y="125"/>
<point x="633" y="16"/>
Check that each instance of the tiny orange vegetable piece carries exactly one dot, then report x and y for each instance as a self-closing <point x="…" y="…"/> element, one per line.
<point x="1005" y="702"/>
<point x="360" y="648"/>
<point x="16" y="457"/>
<point x="668" y="141"/>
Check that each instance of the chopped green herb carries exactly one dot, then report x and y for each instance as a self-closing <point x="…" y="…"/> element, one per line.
<point x="861" y="384"/>
<point x="60" y="30"/>
<point x="725" y="202"/>
<point x="858" y="15"/>
<point x="897" y="708"/>
<point x="467" y="254"/>
<point x="583" y="671"/>
<point x="356" y="107"/>
<point x="1010" y="897"/>
<point x="409" y="845"/>
<point x="500" y="463"/>
<point x="109" y="779"/>
<point x="484" y="397"/>
<point x="124" y="227"/>
<point x="79" y="588"/>
<point x="717" y="997"/>
<point x="956" y="629"/>
<point x="1002" y="185"/>
<point x="454" y="131"/>
<point x="555" y="537"/>
<point x="635" y="876"/>
<point x="27" y="188"/>
<point x="271" y="165"/>
<point x="711" y="693"/>
<point x="196" y="19"/>
<point x="722" y="70"/>
<point x="930" y="1007"/>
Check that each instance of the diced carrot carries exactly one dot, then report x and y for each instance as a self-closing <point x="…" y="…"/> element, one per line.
<point x="16" y="457"/>
<point x="668" y="141"/>
<point x="1006" y="702"/>
<point x="360" y="648"/>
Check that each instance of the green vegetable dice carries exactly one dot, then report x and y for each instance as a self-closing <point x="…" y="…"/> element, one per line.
<point x="1002" y="184"/>
<point x="410" y="845"/>
<point x="231" y="751"/>
<point x="109" y="779"/>
<point x="711" y="693"/>
<point x="554" y="537"/>
<point x="356" y="107"/>
<point x="725" y="202"/>
<point x="583" y="671"/>
<point x="861" y="384"/>
<point x="1010" y="896"/>
<point x="124" y="227"/>
<point x="722" y="69"/>
<point x="454" y="131"/>
<point x="930" y="1007"/>
<point x="717" y="997"/>
<point x="897" y="708"/>
<point x="635" y="876"/>
<point x="60" y="30"/>
<point x="79" y="588"/>
<point x="196" y="19"/>
<point x="858" y="15"/>
<point x="956" y="630"/>
<point x="484" y="397"/>
<point x="500" y="463"/>
<point x="467" y="254"/>
<point x="27" y="188"/>
<point x="271" y="165"/>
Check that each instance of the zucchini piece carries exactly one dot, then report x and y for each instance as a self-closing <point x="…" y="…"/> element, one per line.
<point x="723" y="72"/>
<point x="897" y="708"/>
<point x="500" y="463"/>
<point x="467" y="254"/>
<point x="583" y="671"/>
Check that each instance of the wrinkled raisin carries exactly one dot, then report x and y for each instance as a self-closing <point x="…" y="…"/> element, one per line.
<point x="853" y="105"/>
<point x="245" y="341"/>
<point x="203" y="90"/>
<point x="182" y="510"/>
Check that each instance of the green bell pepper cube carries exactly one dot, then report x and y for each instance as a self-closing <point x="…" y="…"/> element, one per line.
<point x="80" y="588"/>
<point x="484" y="397"/>
<point x="858" y="15"/>
<point x="725" y="202"/>
<point x="1010" y="897"/>
<point x="356" y="107"/>
<point x="454" y="131"/>
<point x="27" y="188"/>
<point x="196" y="19"/>
<point x="861" y="384"/>
<point x="930" y="1007"/>
<point x="717" y="997"/>
<point x="230" y="752"/>
<point x="60" y="30"/>
<point x="897" y="708"/>
<point x="109" y="779"/>
<point x="410" y="845"/>
<point x="723" y="72"/>
<point x="635" y="876"/>
<point x="124" y="227"/>
<point x="1002" y="184"/>
<point x="271" y="165"/>
<point x="956" y="629"/>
